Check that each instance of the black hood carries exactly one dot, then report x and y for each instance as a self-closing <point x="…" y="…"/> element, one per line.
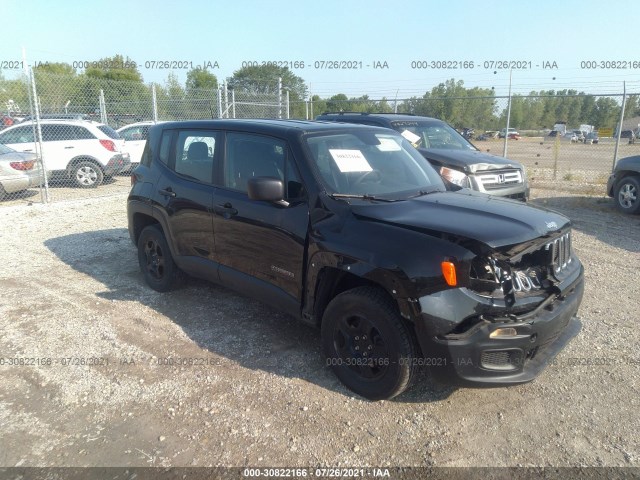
<point x="494" y="221"/>
<point x="467" y="160"/>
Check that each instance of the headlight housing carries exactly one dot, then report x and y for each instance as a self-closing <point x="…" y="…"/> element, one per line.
<point x="455" y="176"/>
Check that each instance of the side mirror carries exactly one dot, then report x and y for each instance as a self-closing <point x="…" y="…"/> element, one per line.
<point x="268" y="189"/>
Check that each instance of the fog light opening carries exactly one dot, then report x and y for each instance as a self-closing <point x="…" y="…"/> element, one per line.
<point x="503" y="333"/>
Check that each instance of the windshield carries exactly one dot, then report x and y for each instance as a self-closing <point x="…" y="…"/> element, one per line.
<point x="370" y="163"/>
<point x="432" y="135"/>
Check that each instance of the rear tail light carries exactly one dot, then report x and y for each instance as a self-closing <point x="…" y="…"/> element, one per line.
<point x="109" y="145"/>
<point x="28" y="165"/>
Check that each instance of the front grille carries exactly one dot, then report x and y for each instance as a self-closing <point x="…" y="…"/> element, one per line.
<point x="500" y="179"/>
<point x="560" y="252"/>
<point x="501" y="359"/>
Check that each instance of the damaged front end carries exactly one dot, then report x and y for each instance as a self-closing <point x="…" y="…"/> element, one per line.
<point x="515" y="311"/>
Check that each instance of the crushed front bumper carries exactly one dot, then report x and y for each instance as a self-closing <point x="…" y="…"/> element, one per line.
<point x="474" y="358"/>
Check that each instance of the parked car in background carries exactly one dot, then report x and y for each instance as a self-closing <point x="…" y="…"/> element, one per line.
<point x="488" y="135"/>
<point x="579" y="135"/>
<point x="135" y="135"/>
<point x="571" y="136"/>
<point x="624" y="184"/>
<point x="7" y="121"/>
<point x="554" y="134"/>
<point x="82" y="151"/>
<point x="60" y="116"/>
<point x="628" y="134"/>
<point x="459" y="162"/>
<point x="18" y="171"/>
<point x="512" y="133"/>
<point x="591" y="138"/>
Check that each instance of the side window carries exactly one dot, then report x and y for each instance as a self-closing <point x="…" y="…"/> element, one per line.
<point x="18" y="135"/>
<point x="252" y="156"/>
<point x="258" y="156"/>
<point x="49" y="133"/>
<point x="165" y="145"/>
<point x="195" y="151"/>
<point x="135" y="133"/>
<point x="80" y="133"/>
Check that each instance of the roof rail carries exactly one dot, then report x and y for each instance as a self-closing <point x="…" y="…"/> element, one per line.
<point x="368" y="113"/>
<point x="345" y="113"/>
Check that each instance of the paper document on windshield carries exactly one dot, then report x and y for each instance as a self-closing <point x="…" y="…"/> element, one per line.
<point x="388" y="145"/>
<point x="350" y="160"/>
<point x="412" y="137"/>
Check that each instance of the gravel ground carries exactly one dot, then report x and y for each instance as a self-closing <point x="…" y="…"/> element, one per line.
<point x="97" y="390"/>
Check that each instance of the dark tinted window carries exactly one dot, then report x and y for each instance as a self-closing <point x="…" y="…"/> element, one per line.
<point x="109" y="132"/>
<point x="22" y="134"/>
<point x="252" y="156"/>
<point x="258" y="156"/>
<point x="135" y="133"/>
<point x="165" y="146"/>
<point x="81" y="133"/>
<point x="60" y="132"/>
<point x="195" y="151"/>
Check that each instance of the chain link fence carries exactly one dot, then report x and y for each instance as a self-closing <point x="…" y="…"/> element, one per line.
<point x="72" y="136"/>
<point x="91" y="131"/>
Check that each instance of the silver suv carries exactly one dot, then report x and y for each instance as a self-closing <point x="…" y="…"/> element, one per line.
<point x="83" y="151"/>
<point x="457" y="160"/>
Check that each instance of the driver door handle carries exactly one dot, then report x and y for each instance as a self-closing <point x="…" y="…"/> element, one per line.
<point x="226" y="210"/>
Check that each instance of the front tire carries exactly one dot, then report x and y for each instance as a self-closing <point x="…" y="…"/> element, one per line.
<point x="87" y="174"/>
<point x="155" y="260"/>
<point x="626" y="194"/>
<point x="367" y="344"/>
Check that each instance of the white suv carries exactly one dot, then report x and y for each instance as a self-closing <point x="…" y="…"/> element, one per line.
<point x="136" y="135"/>
<point x="83" y="151"/>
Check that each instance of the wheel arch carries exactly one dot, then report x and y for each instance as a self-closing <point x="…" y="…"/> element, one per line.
<point x="621" y="175"/>
<point x="83" y="158"/>
<point x="331" y="274"/>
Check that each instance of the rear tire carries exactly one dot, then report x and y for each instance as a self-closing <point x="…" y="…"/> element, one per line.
<point x="87" y="174"/>
<point x="367" y="344"/>
<point x="627" y="195"/>
<point x="155" y="260"/>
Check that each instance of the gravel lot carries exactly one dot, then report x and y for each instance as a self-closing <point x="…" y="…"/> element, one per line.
<point x="260" y="394"/>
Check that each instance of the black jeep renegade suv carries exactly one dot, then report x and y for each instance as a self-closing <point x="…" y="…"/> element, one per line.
<point x="350" y="229"/>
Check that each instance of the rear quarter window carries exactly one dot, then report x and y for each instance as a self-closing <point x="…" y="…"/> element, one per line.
<point x="109" y="132"/>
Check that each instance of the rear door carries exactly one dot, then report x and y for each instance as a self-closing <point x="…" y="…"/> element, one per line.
<point x="184" y="196"/>
<point x="258" y="243"/>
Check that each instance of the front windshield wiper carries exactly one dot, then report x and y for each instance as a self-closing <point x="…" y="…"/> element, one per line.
<point x="365" y="196"/>
<point x="420" y="193"/>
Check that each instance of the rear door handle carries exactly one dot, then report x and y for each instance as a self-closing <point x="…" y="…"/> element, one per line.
<point x="67" y="148"/>
<point x="167" y="192"/>
<point x="226" y="210"/>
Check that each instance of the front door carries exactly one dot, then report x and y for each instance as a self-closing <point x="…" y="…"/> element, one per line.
<point x="262" y="242"/>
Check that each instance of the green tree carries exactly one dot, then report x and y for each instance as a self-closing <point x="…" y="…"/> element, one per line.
<point x="200" y="79"/>
<point x="264" y="79"/>
<point x="115" y="68"/>
<point x="56" y="86"/>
